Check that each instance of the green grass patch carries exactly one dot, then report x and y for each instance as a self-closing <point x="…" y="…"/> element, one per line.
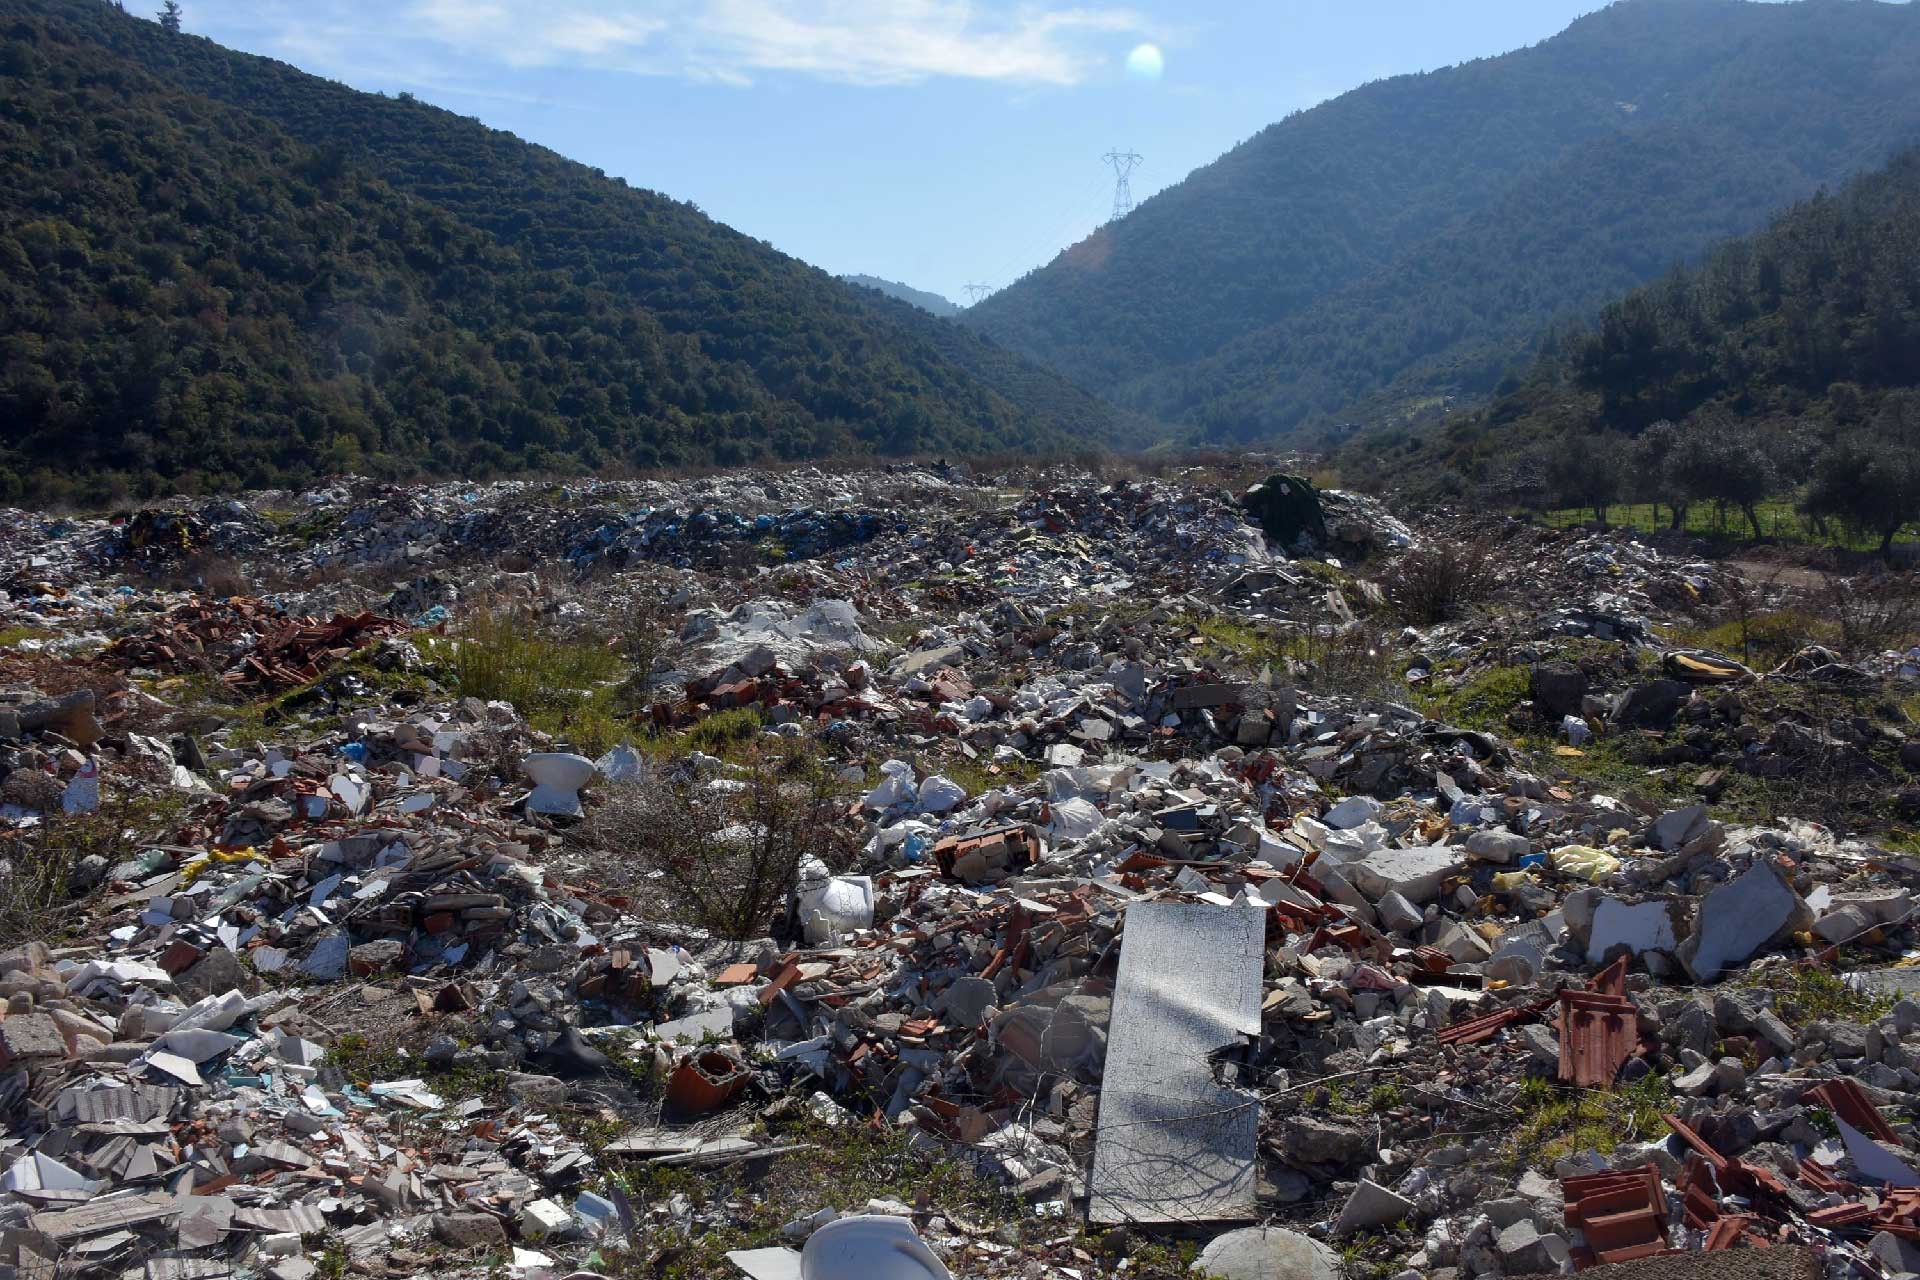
<point x="1764" y="640"/>
<point x="1371" y="1255"/>
<point x="735" y="735"/>
<point x="1803" y="995"/>
<point x="976" y="778"/>
<point x="722" y="733"/>
<point x="1778" y="522"/>
<point x="10" y="636"/>
<point x="1556" y="1122"/>
<point x="1254" y="644"/>
<point x="1480" y="702"/>
<point x="565" y="685"/>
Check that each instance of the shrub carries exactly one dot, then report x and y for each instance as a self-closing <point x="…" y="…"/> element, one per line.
<point x="38" y="902"/>
<point x="723" y="860"/>
<point x="1439" y="582"/>
<point x="1873" y="612"/>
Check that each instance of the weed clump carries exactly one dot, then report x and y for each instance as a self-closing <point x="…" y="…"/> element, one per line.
<point x="723" y="858"/>
<point x="1439" y="582"/>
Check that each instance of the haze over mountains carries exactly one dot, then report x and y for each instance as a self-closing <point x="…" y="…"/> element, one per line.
<point x="1408" y="240"/>
<point x="926" y="301"/>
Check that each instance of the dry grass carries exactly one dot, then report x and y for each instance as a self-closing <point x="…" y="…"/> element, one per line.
<point x="38" y="902"/>
<point x="1439" y="582"/>
<point x="721" y="860"/>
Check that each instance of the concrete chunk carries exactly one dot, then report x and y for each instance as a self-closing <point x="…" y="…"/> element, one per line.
<point x="1370" y="1205"/>
<point x="1267" y="1253"/>
<point x="1415" y="874"/>
<point x="1351" y="812"/>
<point x="1642" y="926"/>
<point x="1497" y="845"/>
<point x="1399" y="915"/>
<point x="1738" y="919"/>
<point x="1671" y="830"/>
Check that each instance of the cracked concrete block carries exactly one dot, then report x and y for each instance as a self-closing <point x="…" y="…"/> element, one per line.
<point x="1370" y="1205"/>
<point x="1639" y="926"/>
<point x="1739" y="918"/>
<point x="1415" y="874"/>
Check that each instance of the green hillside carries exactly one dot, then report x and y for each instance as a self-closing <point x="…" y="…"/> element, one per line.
<point x="219" y="271"/>
<point x="1407" y="241"/>
<point x="1786" y="363"/>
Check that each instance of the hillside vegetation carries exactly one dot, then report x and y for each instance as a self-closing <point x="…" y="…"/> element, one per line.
<point x="1787" y="363"/>
<point x="1408" y="241"/>
<point x="217" y="271"/>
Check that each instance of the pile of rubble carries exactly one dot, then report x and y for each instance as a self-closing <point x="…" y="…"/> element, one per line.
<point x="1151" y="931"/>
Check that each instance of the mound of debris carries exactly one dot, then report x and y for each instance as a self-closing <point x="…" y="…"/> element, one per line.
<point x="971" y="881"/>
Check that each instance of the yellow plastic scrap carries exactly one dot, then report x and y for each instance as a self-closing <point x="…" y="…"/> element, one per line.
<point x="194" y="868"/>
<point x="1584" y="862"/>
<point x="1507" y="881"/>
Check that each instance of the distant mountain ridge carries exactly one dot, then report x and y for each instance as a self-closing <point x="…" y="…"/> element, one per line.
<point x="1407" y="241"/>
<point x="217" y="271"/>
<point x="920" y="298"/>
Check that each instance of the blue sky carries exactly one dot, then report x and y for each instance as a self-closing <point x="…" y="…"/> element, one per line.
<point x="939" y="142"/>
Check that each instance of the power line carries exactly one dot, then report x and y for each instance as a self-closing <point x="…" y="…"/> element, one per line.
<point x="975" y="292"/>
<point x="1062" y="225"/>
<point x="1123" y="163"/>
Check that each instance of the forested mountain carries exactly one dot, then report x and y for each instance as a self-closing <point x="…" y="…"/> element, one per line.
<point x="1410" y="239"/>
<point x="1787" y="361"/>
<point x="218" y="271"/>
<point x="921" y="298"/>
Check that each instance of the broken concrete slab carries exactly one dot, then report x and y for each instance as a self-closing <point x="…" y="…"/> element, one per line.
<point x="1370" y="1205"/>
<point x="1351" y="812"/>
<point x="1415" y="874"/>
<point x="1524" y="1248"/>
<point x="1267" y="1253"/>
<point x="1497" y="845"/>
<point x="1172" y="1143"/>
<point x="1740" y="917"/>
<point x="1875" y="1160"/>
<point x="1849" y="916"/>
<point x="1678" y="827"/>
<point x="1397" y="915"/>
<point x="1638" y="927"/>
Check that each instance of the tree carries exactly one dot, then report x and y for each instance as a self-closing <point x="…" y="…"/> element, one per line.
<point x="1869" y="479"/>
<point x="1586" y="472"/>
<point x="1651" y="474"/>
<point x="1728" y="462"/>
<point x="170" y="16"/>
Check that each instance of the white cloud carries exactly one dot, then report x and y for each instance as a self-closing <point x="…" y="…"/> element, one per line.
<point x="866" y="42"/>
<point x="903" y="41"/>
<point x="522" y="33"/>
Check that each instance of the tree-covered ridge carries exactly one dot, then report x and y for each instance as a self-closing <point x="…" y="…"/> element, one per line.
<point x="748" y="302"/>
<point x="1787" y="362"/>
<point x="1407" y="241"/>
<point x="193" y="294"/>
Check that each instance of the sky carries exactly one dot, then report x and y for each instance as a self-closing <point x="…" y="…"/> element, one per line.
<point x="937" y="142"/>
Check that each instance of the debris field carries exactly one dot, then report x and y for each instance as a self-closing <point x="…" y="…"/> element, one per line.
<point x="919" y="872"/>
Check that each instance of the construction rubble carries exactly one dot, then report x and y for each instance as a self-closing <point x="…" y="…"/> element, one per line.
<point x="1151" y="897"/>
